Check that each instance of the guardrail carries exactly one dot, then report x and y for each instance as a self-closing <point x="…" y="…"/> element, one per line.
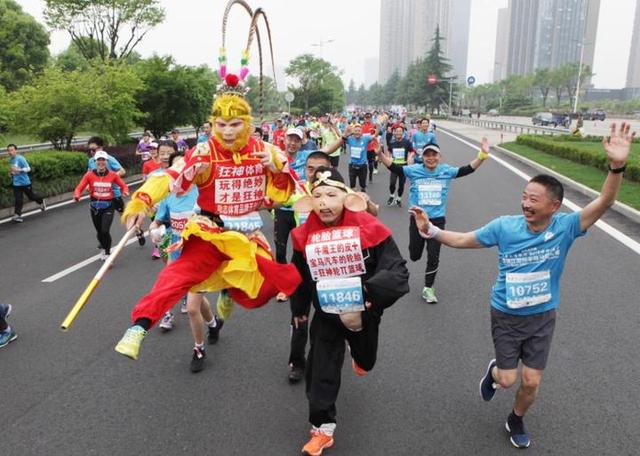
<point x="82" y="140"/>
<point x="509" y="126"/>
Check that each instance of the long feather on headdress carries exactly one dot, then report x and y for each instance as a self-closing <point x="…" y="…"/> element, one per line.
<point x="253" y="30"/>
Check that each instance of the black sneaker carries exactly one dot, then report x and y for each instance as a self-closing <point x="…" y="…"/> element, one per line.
<point x="518" y="434"/>
<point x="197" y="362"/>
<point x="390" y="201"/>
<point x="487" y="388"/>
<point x="214" y="333"/>
<point x="295" y="374"/>
<point x="141" y="240"/>
<point x="399" y="202"/>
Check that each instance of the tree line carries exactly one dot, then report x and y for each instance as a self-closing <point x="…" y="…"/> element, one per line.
<point x="101" y="84"/>
<point x="414" y="89"/>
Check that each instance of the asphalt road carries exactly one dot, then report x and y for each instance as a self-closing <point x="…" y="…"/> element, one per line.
<point x="71" y="394"/>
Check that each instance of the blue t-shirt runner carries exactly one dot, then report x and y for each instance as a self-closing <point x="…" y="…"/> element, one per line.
<point x="429" y="184"/>
<point x="530" y="263"/>
<point x="21" y="178"/>
<point x="358" y="149"/>
<point x="420" y="140"/>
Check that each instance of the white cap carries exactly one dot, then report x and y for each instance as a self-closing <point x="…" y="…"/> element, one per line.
<point x="153" y="145"/>
<point x="295" y="131"/>
<point x="101" y="154"/>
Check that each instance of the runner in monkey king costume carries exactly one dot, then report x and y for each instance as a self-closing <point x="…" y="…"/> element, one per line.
<point x="222" y="248"/>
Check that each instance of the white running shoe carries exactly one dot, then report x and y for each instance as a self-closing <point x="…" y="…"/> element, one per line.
<point x="166" y="324"/>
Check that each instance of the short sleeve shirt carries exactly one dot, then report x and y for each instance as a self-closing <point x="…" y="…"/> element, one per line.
<point x="430" y="189"/>
<point x="20" y="179"/>
<point x="358" y="149"/>
<point x="530" y="264"/>
<point x="420" y="140"/>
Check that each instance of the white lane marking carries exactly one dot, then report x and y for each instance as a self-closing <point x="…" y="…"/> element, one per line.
<point x="61" y="204"/>
<point x="82" y="264"/>
<point x="604" y="226"/>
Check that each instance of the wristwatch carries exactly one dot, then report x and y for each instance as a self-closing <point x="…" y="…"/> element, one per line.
<point x="617" y="170"/>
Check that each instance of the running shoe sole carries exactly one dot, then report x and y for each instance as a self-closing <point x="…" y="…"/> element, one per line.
<point x="489" y="367"/>
<point x="506" y="426"/>
<point x="15" y="336"/>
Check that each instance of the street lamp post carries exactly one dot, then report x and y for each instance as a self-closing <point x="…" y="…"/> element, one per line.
<point x="575" y="102"/>
<point x="321" y="44"/>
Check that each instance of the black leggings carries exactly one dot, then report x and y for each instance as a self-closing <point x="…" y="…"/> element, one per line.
<point x="283" y="223"/>
<point x="18" y="190"/>
<point x="360" y="172"/>
<point x="326" y="356"/>
<point x="393" y="178"/>
<point x="416" y="247"/>
<point x="102" y="219"/>
<point x="372" y="163"/>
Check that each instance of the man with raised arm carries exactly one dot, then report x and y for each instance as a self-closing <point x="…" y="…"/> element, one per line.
<point x="532" y="249"/>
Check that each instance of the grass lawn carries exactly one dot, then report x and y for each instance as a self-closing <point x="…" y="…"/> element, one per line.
<point x="596" y="147"/>
<point x="586" y="175"/>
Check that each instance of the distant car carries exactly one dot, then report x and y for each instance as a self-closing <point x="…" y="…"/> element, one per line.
<point x="544" y="119"/>
<point x="466" y="112"/>
<point x="636" y="115"/>
<point x="493" y="112"/>
<point x="551" y="119"/>
<point x="597" y="114"/>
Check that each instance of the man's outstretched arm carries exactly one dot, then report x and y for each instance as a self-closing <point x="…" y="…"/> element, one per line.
<point x="454" y="239"/>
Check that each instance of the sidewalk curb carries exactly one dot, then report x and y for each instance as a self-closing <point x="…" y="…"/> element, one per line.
<point x="620" y="208"/>
<point x="55" y="199"/>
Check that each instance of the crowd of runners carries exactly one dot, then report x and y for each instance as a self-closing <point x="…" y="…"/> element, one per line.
<point x="345" y="262"/>
<point x="202" y="208"/>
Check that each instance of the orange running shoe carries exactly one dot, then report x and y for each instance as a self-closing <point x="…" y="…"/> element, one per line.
<point x="360" y="372"/>
<point x="318" y="442"/>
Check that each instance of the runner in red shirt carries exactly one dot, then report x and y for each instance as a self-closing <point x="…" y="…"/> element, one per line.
<point x="369" y="128"/>
<point x="279" y="134"/>
<point x="151" y="165"/>
<point x="100" y="186"/>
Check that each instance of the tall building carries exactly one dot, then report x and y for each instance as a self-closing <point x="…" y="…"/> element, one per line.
<point x="371" y="65"/>
<point x="457" y="43"/>
<point x="633" y="70"/>
<point x="407" y="28"/>
<point x="550" y="33"/>
<point x="502" y="45"/>
<point x="395" y="38"/>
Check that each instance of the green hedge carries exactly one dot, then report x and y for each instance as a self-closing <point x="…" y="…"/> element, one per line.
<point x="586" y="157"/>
<point x="52" y="173"/>
<point x="587" y="138"/>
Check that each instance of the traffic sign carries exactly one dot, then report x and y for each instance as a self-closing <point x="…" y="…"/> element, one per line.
<point x="289" y="97"/>
<point x="432" y="79"/>
<point x="471" y="80"/>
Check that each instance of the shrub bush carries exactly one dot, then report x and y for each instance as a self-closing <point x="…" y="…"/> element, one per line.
<point x="582" y="156"/>
<point x="53" y="172"/>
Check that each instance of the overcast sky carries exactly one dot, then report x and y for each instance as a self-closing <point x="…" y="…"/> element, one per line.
<point x="191" y="34"/>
